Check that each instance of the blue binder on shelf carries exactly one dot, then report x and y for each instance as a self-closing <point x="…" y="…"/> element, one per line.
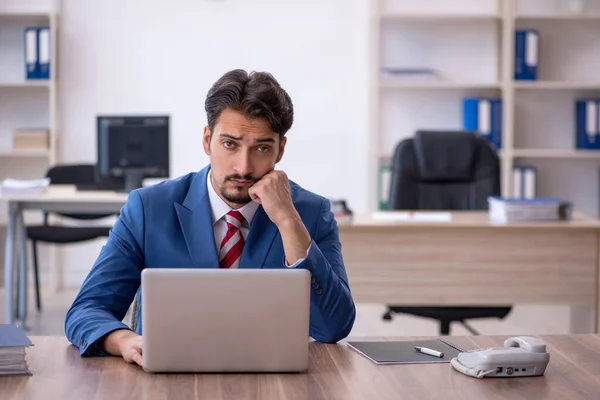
<point x="484" y="115"/>
<point x="32" y="66"/>
<point x="527" y="54"/>
<point x="43" y="34"/>
<point x="525" y="182"/>
<point x="587" y="124"/>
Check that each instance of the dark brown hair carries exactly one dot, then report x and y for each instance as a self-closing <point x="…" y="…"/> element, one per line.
<point x="255" y="95"/>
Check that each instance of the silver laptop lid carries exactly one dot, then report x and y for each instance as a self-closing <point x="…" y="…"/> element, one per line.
<point x="225" y="320"/>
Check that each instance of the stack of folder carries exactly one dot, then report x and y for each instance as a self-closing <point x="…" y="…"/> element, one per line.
<point x="13" y="349"/>
<point x="537" y="209"/>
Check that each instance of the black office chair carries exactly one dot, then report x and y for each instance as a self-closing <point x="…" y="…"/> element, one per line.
<point x="75" y="174"/>
<point x="439" y="170"/>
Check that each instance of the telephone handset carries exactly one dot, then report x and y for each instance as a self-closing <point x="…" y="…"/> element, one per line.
<point x="520" y="356"/>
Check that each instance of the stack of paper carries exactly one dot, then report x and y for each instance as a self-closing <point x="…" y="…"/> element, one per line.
<point x="23" y="186"/>
<point x="13" y="344"/>
<point x="537" y="209"/>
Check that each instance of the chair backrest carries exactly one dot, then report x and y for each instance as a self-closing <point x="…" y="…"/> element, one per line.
<point x="75" y="174"/>
<point x="444" y="170"/>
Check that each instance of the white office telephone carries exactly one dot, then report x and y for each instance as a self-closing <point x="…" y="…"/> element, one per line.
<point x="520" y="356"/>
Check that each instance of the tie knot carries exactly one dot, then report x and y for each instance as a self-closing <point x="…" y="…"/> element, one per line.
<point x="235" y="218"/>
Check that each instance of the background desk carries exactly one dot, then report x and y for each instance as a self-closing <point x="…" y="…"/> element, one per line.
<point x="57" y="198"/>
<point x="334" y="372"/>
<point x="472" y="261"/>
<point x="467" y="261"/>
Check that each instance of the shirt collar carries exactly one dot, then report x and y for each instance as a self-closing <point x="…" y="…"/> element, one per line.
<point x="220" y="208"/>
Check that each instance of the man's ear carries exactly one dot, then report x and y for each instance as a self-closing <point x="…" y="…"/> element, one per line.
<point x="282" y="143"/>
<point x="206" y="140"/>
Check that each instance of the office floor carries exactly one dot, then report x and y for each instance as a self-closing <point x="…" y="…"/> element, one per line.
<point x="521" y="320"/>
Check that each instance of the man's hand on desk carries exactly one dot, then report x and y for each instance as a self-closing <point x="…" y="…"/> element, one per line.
<point x="124" y="343"/>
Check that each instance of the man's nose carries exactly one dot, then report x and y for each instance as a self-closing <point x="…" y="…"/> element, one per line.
<point x="243" y="164"/>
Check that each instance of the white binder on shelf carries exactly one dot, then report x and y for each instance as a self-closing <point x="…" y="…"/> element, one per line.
<point x="592" y="120"/>
<point x="31" y="54"/>
<point x="517" y="183"/>
<point x="484" y="117"/>
<point x="524" y="182"/>
<point x="529" y="183"/>
<point x="44" y="52"/>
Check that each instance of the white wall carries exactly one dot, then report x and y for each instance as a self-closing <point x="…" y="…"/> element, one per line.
<point x="154" y="56"/>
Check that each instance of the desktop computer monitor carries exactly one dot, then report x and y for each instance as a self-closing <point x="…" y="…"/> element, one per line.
<point x="133" y="148"/>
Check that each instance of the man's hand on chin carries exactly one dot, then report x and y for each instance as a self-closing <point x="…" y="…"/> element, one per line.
<point x="273" y="192"/>
<point x="126" y="344"/>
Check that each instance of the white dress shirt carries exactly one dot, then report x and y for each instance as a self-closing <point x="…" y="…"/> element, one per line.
<point x="219" y="209"/>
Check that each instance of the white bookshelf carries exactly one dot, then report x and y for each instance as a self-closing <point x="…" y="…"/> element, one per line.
<point x="26" y="103"/>
<point x="558" y="17"/>
<point x="557" y="153"/>
<point x="392" y="16"/>
<point x="27" y="84"/>
<point x="471" y="44"/>
<point x="24" y="153"/>
<point x="542" y="85"/>
<point x="437" y="85"/>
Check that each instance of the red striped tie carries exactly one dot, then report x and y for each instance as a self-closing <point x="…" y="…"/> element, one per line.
<point x="233" y="242"/>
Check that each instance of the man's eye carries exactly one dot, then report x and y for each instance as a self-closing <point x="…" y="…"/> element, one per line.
<point x="264" y="149"/>
<point x="228" y="144"/>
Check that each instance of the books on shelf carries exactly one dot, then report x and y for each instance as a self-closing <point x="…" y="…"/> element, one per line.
<point x="13" y="350"/>
<point x="524" y="181"/>
<point x="527" y="54"/>
<point x="484" y="115"/>
<point x="37" y="52"/>
<point x="587" y="123"/>
<point x="536" y="209"/>
<point x="31" y="139"/>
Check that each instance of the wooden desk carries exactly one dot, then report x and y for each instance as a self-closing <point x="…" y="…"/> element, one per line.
<point x="335" y="372"/>
<point x="473" y="261"/>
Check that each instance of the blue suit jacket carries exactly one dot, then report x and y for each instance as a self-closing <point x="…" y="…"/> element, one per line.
<point x="170" y="225"/>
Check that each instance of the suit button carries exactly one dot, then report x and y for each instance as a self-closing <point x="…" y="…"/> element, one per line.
<point x="83" y="343"/>
<point x="313" y="280"/>
<point x="315" y="285"/>
<point x="319" y="291"/>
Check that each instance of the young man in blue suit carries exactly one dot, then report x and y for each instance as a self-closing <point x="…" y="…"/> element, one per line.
<point x="238" y="212"/>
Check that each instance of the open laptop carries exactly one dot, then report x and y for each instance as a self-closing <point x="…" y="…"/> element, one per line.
<point x="225" y="320"/>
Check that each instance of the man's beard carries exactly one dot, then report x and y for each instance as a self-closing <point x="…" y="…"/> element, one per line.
<point x="239" y="197"/>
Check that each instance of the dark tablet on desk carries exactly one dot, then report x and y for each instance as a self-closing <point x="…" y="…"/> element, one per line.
<point x="403" y="352"/>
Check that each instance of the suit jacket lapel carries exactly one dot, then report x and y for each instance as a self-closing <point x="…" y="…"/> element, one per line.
<point x="195" y="218"/>
<point x="260" y="237"/>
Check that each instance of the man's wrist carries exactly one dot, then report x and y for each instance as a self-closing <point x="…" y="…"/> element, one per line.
<point x="290" y="221"/>
<point x="296" y="239"/>
<point x="111" y="343"/>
